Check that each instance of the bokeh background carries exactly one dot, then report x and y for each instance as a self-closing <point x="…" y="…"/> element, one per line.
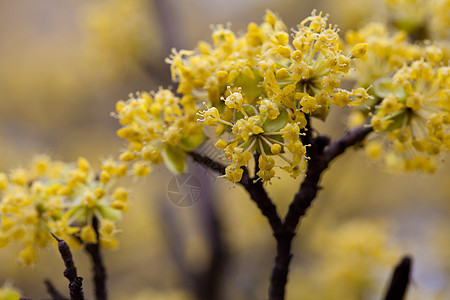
<point x="64" y="65"/>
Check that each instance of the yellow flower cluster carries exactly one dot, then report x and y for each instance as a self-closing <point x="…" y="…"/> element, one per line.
<point x="120" y="34"/>
<point x="159" y="127"/>
<point x="260" y="87"/>
<point x="8" y="292"/>
<point x="440" y="20"/>
<point x="264" y="129"/>
<point x="421" y="17"/>
<point x="229" y="61"/>
<point x="386" y="53"/>
<point x="62" y="198"/>
<point x="359" y="254"/>
<point x="413" y="118"/>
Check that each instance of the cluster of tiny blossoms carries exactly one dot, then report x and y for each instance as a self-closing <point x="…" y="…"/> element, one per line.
<point x="159" y="127"/>
<point x="260" y="89"/>
<point x="63" y="199"/>
<point x="411" y="124"/>
<point x="429" y="17"/>
<point x="388" y="52"/>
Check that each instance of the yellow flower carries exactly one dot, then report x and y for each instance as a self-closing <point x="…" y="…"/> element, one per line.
<point x="152" y="122"/>
<point x="88" y="234"/>
<point x="62" y="198"/>
<point x="414" y="118"/>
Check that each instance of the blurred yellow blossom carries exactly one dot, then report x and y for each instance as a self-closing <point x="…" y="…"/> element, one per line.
<point x="120" y="34"/>
<point x="63" y="198"/>
<point x="412" y="121"/>
<point x="358" y="254"/>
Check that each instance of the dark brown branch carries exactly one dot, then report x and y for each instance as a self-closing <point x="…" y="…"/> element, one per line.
<point x="400" y="280"/>
<point x="209" y="280"/>
<point x="253" y="187"/>
<point x="98" y="266"/>
<point x="318" y="162"/>
<point x="205" y="283"/>
<point x="53" y="292"/>
<point x="208" y="162"/>
<point x="75" y="282"/>
<point x="76" y="289"/>
<point x="321" y="152"/>
<point x="71" y="271"/>
<point x="259" y="195"/>
<point x="348" y="139"/>
<point x="174" y="238"/>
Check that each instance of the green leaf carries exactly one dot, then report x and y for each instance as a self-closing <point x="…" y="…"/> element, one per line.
<point x="174" y="158"/>
<point x="278" y="123"/>
<point x="191" y="142"/>
<point x="321" y="113"/>
<point x="250" y="110"/>
<point x="383" y="89"/>
<point x="110" y="213"/>
<point x="398" y="121"/>
<point x="251" y="87"/>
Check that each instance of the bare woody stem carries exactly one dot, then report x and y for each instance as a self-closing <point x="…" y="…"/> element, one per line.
<point x="53" y="292"/>
<point x="98" y="265"/>
<point x="321" y="153"/>
<point x="75" y="282"/>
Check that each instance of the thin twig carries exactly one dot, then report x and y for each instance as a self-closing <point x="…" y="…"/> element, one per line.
<point x="259" y="195"/>
<point x="53" y="292"/>
<point x="209" y="280"/>
<point x="254" y="187"/>
<point x="75" y="282"/>
<point x="348" y="139"/>
<point x="208" y="162"/>
<point x="400" y="280"/>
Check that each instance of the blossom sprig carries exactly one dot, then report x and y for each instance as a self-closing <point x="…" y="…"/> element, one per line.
<point x="421" y="18"/>
<point x="62" y="198"/>
<point x="307" y="76"/>
<point x="260" y="87"/>
<point x="411" y="124"/>
<point x="160" y="127"/>
<point x="388" y="52"/>
<point x="231" y="60"/>
<point x="263" y="129"/>
<point x="264" y="64"/>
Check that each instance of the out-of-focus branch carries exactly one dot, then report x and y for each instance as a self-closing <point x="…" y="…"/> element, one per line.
<point x="174" y="238"/>
<point x="208" y="281"/>
<point x="400" y="280"/>
<point x="53" y="292"/>
<point x="98" y="265"/>
<point x="205" y="283"/>
<point x="155" y="67"/>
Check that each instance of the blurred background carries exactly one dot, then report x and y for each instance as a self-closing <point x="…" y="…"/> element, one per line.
<point x="64" y="65"/>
